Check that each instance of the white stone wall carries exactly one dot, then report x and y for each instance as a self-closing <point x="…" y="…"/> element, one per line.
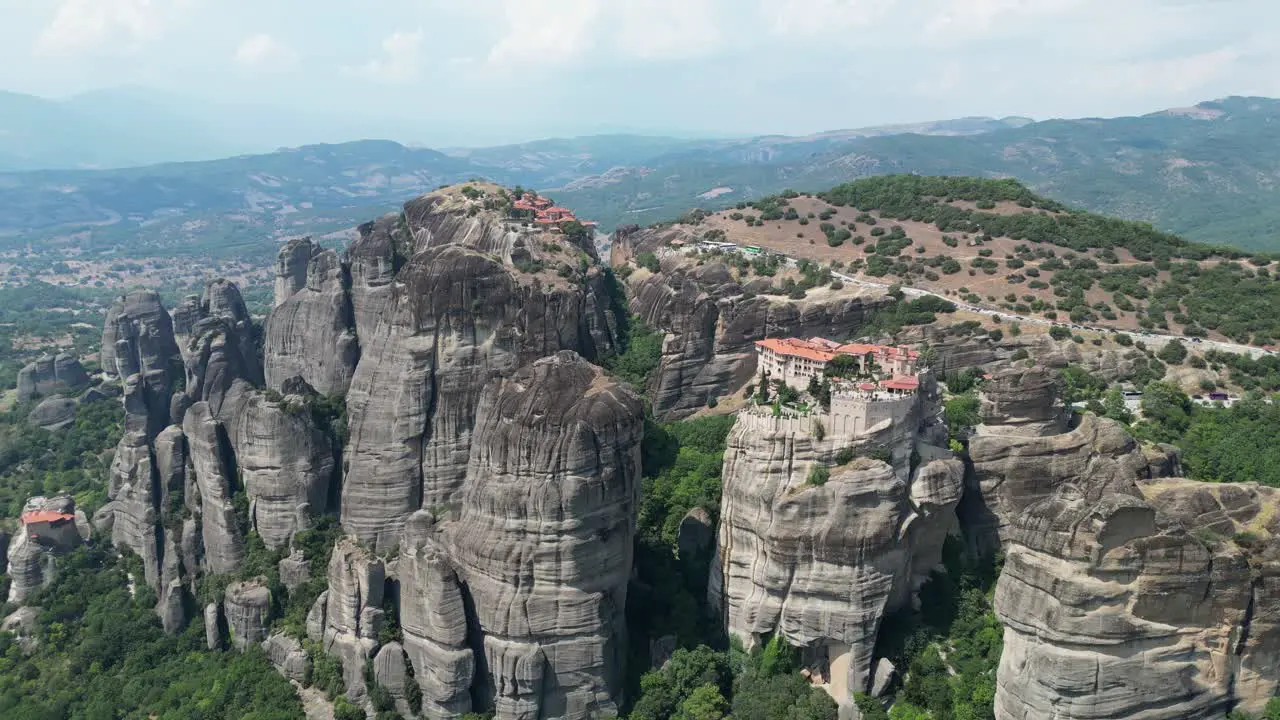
<point x="851" y="416"/>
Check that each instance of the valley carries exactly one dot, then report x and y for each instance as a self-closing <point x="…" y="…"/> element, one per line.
<point x="463" y="464"/>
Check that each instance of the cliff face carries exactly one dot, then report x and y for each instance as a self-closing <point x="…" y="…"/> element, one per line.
<point x="711" y="323"/>
<point x="544" y="537"/>
<point x="1123" y="594"/>
<point x="458" y="315"/>
<point x="1130" y="604"/>
<point x="311" y="332"/>
<point x="821" y="565"/>
<point x="1028" y="446"/>
<point x="51" y="374"/>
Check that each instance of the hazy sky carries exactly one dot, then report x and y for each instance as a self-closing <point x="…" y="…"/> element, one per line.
<point x="440" y="71"/>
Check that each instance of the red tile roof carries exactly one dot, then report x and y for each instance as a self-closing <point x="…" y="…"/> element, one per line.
<point x="796" y="347"/>
<point x="902" y="382"/>
<point x="45" y="516"/>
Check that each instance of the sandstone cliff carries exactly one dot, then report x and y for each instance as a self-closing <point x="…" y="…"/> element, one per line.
<point x="1140" y="601"/>
<point x="544" y="537"/>
<point x="459" y="314"/>
<point x="51" y="374"/>
<point x="311" y="332"/>
<point x="710" y="322"/>
<point x="820" y="565"/>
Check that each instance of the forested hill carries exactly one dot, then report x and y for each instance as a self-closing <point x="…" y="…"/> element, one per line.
<point x="1208" y="172"/>
<point x="998" y="245"/>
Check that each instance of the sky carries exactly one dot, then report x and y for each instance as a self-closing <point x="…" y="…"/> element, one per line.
<point x="443" y="72"/>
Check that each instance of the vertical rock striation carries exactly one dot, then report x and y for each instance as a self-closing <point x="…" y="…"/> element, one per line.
<point x="285" y="463"/>
<point x="311" y="332"/>
<point x="544" y="538"/>
<point x="711" y="325"/>
<point x="1126" y="602"/>
<point x="458" y="315"/>
<point x="821" y="565"/>
<point x="434" y="620"/>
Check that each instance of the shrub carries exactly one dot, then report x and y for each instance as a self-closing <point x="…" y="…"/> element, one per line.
<point x="819" y="474"/>
<point x="1173" y="353"/>
<point x="649" y="261"/>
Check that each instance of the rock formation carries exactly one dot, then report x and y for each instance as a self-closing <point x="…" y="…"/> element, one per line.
<point x="138" y="338"/>
<point x="383" y="247"/>
<point x="459" y="315"/>
<point x="288" y="656"/>
<point x="48" y="375"/>
<point x="544" y="538"/>
<point x="247" y="608"/>
<point x="352" y="611"/>
<point x="214" y="465"/>
<point x="1122" y="600"/>
<point x="1024" y="450"/>
<point x="291" y="267"/>
<point x="710" y="323"/>
<point x="434" y="621"/>
<point x="49" y="527"/>
<point x="311" y="332"/>
<point x="285" y="463"/>
<point x="54" y="413"/>
<point x="821" y="564"/>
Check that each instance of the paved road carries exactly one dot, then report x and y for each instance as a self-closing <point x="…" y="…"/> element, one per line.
<point x="1147" y="337"/>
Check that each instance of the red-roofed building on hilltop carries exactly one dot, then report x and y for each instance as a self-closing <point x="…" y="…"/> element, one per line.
<point x="51" y="528"/>
<point x="795" y="360"/>
<point x="544" y="213"/>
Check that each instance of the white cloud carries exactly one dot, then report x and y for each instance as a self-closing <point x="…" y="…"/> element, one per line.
<point x="84" y="25"/>
<point x="401" y="60"/>
<point x="815" y="17"/>
<point x="670" y="29"/>
<point x="547" y="32"/>
<point x="264" y="52"/>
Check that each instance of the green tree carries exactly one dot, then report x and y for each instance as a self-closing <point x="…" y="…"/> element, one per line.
<point x="1166" y="412"/>
<point x="1114" y="407"/>
<point x="1173" y="352"/>
<point x="706" y="702"/>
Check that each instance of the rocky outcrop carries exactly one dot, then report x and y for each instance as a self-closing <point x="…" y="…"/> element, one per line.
<point x="821" y="565"/>
<point x="212" y="626"/>
<point x="458" y="319"/>
<point x="285" y="463"/>
<point x="1022" y="401"/>
<point x="352" y="614"/>
<point x="710" y="323"/>
<point x="1024" y="450"/>
<point x="389" y="669"/>
<point x="1122" y="600"/>
<point x="543" y="542"/>
<point x="215" y="475"/>
<point x="247" y="608"/>
<point x="311" y="332"/>
<point x="383" y="247"/>
<point x="434" y="621"/>
<point x="54" y="413"/>
<point x="48" y="375"/>
<point x="287" y="656"/>
<point x="138" y="339"/>
<point x="291" y="267"/>
<point x="31" y="567"/>
<point x="49" y="526"/>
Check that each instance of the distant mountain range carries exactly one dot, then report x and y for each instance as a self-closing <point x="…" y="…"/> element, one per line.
<point x="1209" y="172"/>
